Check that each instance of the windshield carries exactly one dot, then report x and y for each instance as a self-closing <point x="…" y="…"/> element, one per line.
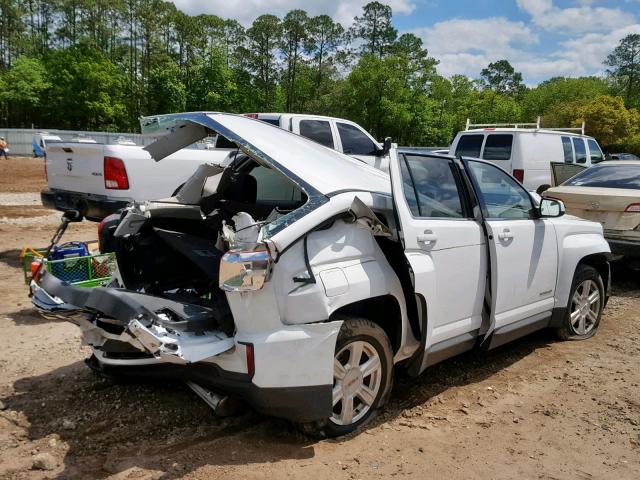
<point x="608" y="176"/>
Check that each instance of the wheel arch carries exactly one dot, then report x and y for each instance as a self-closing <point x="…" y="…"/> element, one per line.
<point x="383" y="310"/>
<point x="600" y="262"/>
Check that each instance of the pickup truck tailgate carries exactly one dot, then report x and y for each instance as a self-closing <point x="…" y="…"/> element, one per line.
<point x="76" y="167"/>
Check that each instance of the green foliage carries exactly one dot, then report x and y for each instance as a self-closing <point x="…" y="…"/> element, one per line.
<point x="606" y="118"/>
<point x="87" y="90"/>
<point x="502" y="78"/>
<point x="624" y="68"/>
<point x="558" y="90"/>
<point x="628" y="145"/>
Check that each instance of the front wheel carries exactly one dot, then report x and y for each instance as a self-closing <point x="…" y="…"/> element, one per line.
<point x="362" y="378"/>
<point x="586" y="303"/>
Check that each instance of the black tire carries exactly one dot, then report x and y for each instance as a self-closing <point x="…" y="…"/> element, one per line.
<point x="568" y="331"/>
<point x="358" y="330"/>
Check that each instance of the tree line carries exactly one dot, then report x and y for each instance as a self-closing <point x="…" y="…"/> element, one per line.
<point x="101" y="64"/>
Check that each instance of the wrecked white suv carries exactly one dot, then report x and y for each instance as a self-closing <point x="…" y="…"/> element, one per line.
<point x="296" y="277"/>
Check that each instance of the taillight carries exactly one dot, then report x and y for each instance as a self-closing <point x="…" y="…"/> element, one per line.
<point x="251" y="361"/>
<point x="115" y="174"/>
<point x="251" y="115"/>
<point x="633" y="208"/>
<point x="519" y="175"/>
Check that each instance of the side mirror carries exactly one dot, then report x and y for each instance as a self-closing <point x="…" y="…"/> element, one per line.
<point x="70" y="216"/>
<point x="386" y="146"/>
<point x="551" y="208"/>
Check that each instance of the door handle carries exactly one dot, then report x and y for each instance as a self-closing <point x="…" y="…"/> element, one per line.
<point x="427" y="237"/>
<point x="506" y="234"/>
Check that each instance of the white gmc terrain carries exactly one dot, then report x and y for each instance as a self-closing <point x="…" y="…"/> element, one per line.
<point x="297" y="277"/>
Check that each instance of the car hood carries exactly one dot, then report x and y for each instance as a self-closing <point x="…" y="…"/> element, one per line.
<point x="316" y="169"/>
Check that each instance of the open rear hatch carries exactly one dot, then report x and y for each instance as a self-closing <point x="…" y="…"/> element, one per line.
<point x="128" y="324"/>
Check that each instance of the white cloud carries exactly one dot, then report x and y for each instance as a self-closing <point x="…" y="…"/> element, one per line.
<point x="246" y="11"/>
<point x="466" y="46"/>
<point x="585" y="18"/>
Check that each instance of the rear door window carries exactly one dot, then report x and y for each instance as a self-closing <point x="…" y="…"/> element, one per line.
<point x="594" y="151"/>
<point x="567" y="149"/>
<point x="469" y="146"/>
<point x="430" y="187"/>
<point x="354" y="141"/>
<point x="498" y="147"/>
<point x="317" y="130"/>
<point x="579" y="148"/>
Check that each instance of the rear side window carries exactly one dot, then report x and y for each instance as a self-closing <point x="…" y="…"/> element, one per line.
<point x="273" y="187"/>
<point x="430" y="187"/>
<point x="354" y="141"/>
<point x="469" y="146"/>
<point x="317" y="130"/>
<point x="567" y="149"/>
<point x="581" y="151"/>
<point x="594" y="151"/>
<point x="498" y="147"/>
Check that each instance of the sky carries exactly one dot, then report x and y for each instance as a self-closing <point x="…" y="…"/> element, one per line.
<point x="541" y="38"/>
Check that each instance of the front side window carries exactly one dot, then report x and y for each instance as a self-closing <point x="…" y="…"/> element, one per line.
<point x="594" y="151"/>
<point x="317" y="130"/>
<point x="581" y="152"/>
<point x="502" y="196"/>
<point x="469" y="146"/>
<point x="498" y="147"/>
<point x="430" y="187"/>
<point x="567" y="149"/>
<point x="608" y="176"/>
<point x="354" y="141"/>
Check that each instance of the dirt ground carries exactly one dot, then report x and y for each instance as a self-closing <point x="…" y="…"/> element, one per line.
<point x="538" y="408"/>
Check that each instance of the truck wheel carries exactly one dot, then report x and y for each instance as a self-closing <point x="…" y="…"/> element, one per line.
<point x="362" y="379"/>
<point x="586" y="302"/>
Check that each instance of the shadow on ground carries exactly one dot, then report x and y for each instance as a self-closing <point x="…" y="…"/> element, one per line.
<point x="11" y="258"/>
<point x="111" y="427"/>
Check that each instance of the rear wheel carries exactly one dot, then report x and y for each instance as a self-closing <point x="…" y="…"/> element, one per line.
<point x="362" y="378"/>
<point x="585" y="305"/>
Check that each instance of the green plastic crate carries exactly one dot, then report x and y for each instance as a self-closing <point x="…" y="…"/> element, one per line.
<point x="88" y="271"/>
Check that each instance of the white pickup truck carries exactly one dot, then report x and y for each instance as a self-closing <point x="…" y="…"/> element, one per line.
<point x="98" y="179"/>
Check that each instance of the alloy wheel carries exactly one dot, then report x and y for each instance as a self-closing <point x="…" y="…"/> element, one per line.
<point x="585" y="307"/>
<point x="357" y="377"/>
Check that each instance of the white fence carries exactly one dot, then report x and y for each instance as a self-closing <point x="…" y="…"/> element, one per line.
<point x="20" y="140"/>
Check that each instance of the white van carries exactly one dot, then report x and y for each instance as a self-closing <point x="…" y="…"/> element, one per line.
<point x="527" y="152"/>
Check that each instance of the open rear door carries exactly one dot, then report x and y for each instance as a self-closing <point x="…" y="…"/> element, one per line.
<point x="446" y="250"/>
<point x="561" y="172"/>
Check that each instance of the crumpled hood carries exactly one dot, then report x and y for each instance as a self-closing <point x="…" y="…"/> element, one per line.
<point x="315" y="168"/>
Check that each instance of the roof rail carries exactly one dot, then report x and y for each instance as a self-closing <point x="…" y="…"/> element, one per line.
<point x="535" y="125"/>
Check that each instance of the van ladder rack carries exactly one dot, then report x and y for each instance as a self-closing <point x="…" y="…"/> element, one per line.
<point x="535" y="125"/>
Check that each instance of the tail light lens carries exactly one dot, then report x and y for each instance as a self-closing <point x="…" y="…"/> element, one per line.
<point x="115" y="174"/>
<point x="244" y="271"/>
<point x="633" y="208"/>
<point x="519" y="175"/>
<point x="251" y="115"/>
<point x="251" y="361"/>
